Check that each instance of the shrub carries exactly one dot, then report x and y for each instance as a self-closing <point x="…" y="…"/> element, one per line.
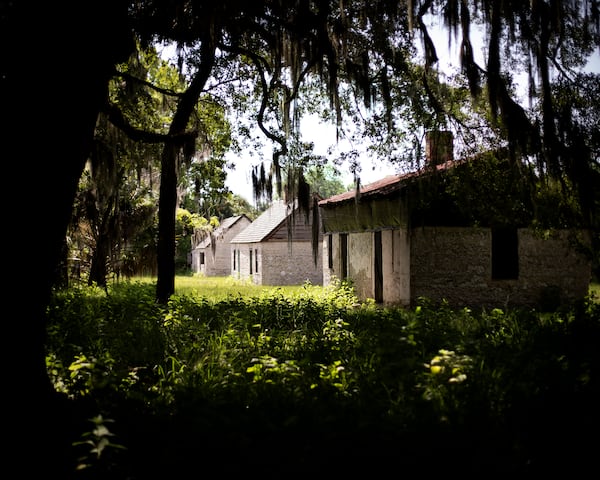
<point x="316" y="360"/>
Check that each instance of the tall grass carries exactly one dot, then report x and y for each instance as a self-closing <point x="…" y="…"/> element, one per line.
<point x="307" y="379"/>
<point x="595" y="291"/>
<point x="221" y="288"/>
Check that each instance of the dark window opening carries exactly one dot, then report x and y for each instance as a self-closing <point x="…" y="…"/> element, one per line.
<point x="344" y="256"/>
<point x="505" y="254"/>
<point x="201" y="258"/>
<point x="330" y="251"/>
<point x="256" y="260"/>
<point x="378" y="266"/>
<point x="250" y="261"/>
<point x="234" y="261"/>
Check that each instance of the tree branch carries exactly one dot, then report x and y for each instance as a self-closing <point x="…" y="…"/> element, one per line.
<point x="146" y="83"/>
<point x="116" y="117"/>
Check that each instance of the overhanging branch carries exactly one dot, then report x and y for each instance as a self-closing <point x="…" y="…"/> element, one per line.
<point x="116" y="117"/>
<point x="146" y="83"/>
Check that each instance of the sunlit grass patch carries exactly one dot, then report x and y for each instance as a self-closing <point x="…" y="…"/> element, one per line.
<point x="219" y="288"/>
<point x="595" y="291"/>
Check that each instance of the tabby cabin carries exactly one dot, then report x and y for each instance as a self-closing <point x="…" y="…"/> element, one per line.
<point x="211" y="252"/>
<point x="276" y="249"/>
<point x="443" y="234"/>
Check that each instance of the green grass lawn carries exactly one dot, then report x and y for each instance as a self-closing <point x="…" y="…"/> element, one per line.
<point x="595" y="291"/>
<point x="278" y="378"/>
<point x="218" y="288"/>
<point x="223" y="287"/>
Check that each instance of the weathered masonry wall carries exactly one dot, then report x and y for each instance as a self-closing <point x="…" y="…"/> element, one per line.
<point x="455" y="264"/>
<point x="360" y="263"/>
<point x="372" y="215"/>
<point x="554" y="264"/>
<point x="218" y="263"/>
<point x="240" y="257"/>
<point x="331" y="272"/>
<point x="195" y="262"/>
<point x="452" y="264"/>
<point x="277" y="263"/>
<point x="395" y="264"/>
<point x="289" y="263"/>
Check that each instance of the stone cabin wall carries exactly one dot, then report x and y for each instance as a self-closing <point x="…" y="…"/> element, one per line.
<point x="455" y="264"/>
<point x="218" y="263"/>
<point x="285" y="263"/>
<point x="240" y="256"/>
<point x="277" y="263"/>
<point x="395" y="264"/>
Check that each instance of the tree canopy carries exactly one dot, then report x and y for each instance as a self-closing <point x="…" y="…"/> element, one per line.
<point x="368" y="50"/>
<point x="365" y="58"/>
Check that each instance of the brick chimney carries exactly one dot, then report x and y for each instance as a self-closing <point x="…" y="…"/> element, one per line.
<point x="439" y="147"/>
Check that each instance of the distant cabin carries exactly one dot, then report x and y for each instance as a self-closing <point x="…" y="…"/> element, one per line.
<point x="407" y="237"/>
<point x="211" y="252"/>
<point x="276" y="248"/>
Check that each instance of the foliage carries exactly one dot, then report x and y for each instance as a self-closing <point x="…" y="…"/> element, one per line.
<point x="314" y="367"/>
<point x="100" y="447"/>
<point x="203" y="179"/>
<point x="490" y="189"/>
<point x="114" y="209"/>
<point x="186" y="223"/>
<point x="114" y="227"/>
<point x="325" y="181"/>
<point x="332" y="39"/>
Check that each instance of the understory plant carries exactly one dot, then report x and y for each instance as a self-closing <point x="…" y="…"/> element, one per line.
<point x="242" y="367"/>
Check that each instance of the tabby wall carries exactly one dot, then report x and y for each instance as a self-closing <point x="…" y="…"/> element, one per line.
<point x="277" y="263"/>
<point x="455" y="264"/>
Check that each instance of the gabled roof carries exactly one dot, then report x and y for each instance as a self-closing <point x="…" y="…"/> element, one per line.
<point x="389" y="184"/>
<point x="265" y="224"/>
<point x="220" y="231"/>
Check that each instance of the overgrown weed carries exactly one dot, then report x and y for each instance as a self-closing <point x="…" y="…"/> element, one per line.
<point x="281" y="362"/>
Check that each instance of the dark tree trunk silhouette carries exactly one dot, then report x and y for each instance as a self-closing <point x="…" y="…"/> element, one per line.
<point x="173" y="151"/>
<point x="98" y="269"/>
<point x="62" y="88"/>
<point x="167" y="204"/>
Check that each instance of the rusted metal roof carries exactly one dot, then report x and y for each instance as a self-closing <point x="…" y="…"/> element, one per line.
<point x="387" y="185"/>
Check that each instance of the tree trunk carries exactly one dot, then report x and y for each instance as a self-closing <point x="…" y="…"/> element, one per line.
<point x="50" y="105"/>
<point x="167" y="205"/>
<point x="98" y="270"/>
<point x="165" y="285"/>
